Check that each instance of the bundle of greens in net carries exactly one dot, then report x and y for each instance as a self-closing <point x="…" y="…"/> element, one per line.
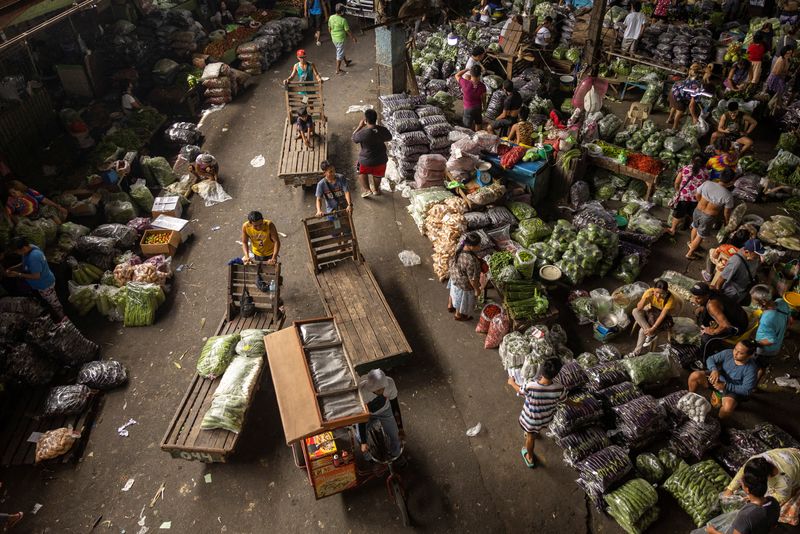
<point x="651" y="368"/>
<point x="630" y="503"/>
<point x="697" y="487"/>
<point x="514" y="350"/>
<point x="141" y="302"/>
<point x="216" y="354"/>
<point x="251" y="342"/>
<point x="230" y="399"/>
<point x="679" y="284"/>
<point x="521" y="210"/>
<point x="531" y="231"/>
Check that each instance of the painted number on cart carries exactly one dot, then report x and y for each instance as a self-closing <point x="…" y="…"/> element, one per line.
<point x="200" y="456"/>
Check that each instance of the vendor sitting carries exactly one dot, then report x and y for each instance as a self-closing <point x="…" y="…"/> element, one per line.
<point x="653" y="313"/>
<point x="732" y="374"/>
<point x="783" y="480"/>
<point x="380" y="395"/>
<point x="738" y="76"/>
<point x="305" y="127"/>
<point x="772" y="325"/>
<point x="522" y="132"/>
<point x="205" y="167"/>
<point x="719" y="317"/>
<point x="511" y="107"/>
<point x="736" y="126"/>
<point x="22" y="201"/>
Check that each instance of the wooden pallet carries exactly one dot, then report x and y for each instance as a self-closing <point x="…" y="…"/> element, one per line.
<point x="609" y="164"/>
<point x="20" y="410"/>
<point x="184" y="438"/>
<point x="300" y="165"/>
<point x="238" y="275"/>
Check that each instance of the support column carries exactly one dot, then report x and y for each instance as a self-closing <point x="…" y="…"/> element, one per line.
<point x="390" y="58"/>
<point x="594" y="47"/>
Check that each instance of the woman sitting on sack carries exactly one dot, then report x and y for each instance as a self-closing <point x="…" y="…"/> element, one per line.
<point x="653" y="314"/>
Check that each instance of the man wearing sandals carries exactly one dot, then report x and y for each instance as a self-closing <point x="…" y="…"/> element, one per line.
<point x="542" y="395"/>
<point x="372" y="159"/>
<point x="714" y="205"/>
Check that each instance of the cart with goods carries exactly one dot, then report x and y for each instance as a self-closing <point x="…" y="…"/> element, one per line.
<point x="299" y="164"/>
<point x="350" y="293"/>
<point x="209" y="418"/>
<point x="316" y="386"/>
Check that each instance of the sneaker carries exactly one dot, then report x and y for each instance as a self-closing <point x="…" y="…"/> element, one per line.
<point x="706" y="276"/>
<point x="319" y="43"/>
<point x="365" y="194"/>
<point x="648" y="341"/>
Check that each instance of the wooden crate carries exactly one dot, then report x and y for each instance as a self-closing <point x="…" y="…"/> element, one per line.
<point x="298" y="164"/>
<point x="239" y="274"/>
<point x="20" y="410"/>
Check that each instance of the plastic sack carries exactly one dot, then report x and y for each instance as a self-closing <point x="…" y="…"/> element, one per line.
<point x="640" y="419"/>
<point x="118" y="211"/>
<point x="651" y="368"/>
<point x="73" y="230"/>
<point x="141" y="302"/>
<point x="577" y="411"/>
<point x="82" y="298"/>
<point x="774" y="436"/>
<point x="123" y="235"/>
<point x="695" y="407"/>
<point x="240" y="377"/>
<point x="581" y="443"/>
<point x="55" y="443"/>
<point x="618" y="394"/>
<point x="66" y="400"/>
<point x="515" y="349"/>
<point x="628" y="296"/>
<point x="251" y="342"/>
<point x="226" y="412"/>
<point x="211" y="192"/>
<point x="25" y="364"/>
<point x="628" y="503"/>
<point x="62" y="341"/>
<point x="216" y="354"/>
<point x="723" y="523"/>
<point x="733" y="502"/>
<point x="579" y="193"/>
<point x="601" y="470"/>
<point x="498" y="328"/>
<point x="696" y="488"/>
<point x="606" y="374"/>
<point x="157" y="170"/>
<point x="685" y="331"/>
<point x="694" y="440"/>
<point x="105" y="374"/>
<point x="142" y="196"/>
<point x="111" y="300"/>
<point x="607" y="353"/>
<point x="649" y="467"/>
<point x="571" y="376"/>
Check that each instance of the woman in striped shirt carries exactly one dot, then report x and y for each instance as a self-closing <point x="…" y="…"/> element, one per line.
<point x="542" y="396"/>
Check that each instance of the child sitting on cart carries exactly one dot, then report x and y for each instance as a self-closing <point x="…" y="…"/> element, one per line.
<point x="305" y="127"/>
<point x="380" y="395"/>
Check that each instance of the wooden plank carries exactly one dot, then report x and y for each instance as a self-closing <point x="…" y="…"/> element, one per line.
<point x="362" y="299"/>
<point x="384" y="323"/>
<point x="401" y="338"/>
<point x="329" y="259"/>
<point x="328" y="283"/>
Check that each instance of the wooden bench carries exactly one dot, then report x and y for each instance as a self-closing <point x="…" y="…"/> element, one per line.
<point x="298" y="164"/>
<point x="609" y="164"/>
<point x="20" y="416"/>
<point x="350" y="294"/>
<point x="184" y="437"/>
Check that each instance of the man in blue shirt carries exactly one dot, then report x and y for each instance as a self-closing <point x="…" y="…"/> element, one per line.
<point x="732" y="374"/>
<point x="771" y="327"/>
<point x="36" y="273"/>
<point x="314" y="11"/>
<point x="333" y="189"/>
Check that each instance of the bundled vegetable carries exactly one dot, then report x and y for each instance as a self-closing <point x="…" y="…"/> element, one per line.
<point x="630" y="503"/>
<point x="649" y="467"/>
<point x="216" y="354"/>
<point x="572" y="376"/>
<point x="696" y="488"/>
<point x="251" y="342"/>
<point x="141" y="302"/>
<point x="581" y="443"/>
<point x="521" y="210"/>
<point x="695" y="439"/>
<point x="618" y="394"/>
<point x="640" y="420"/>
<point x="499" y="260"/>
<point x="577" y="411"/>
<point x="514" y="350"/>
<point x="651" y="368"/>
<point x="606" y="374"/>
<point x="695" y="407"/>
<point x="83" y="298"/>
<point x="230" y="399"/>
<point x="84" y="273"/>
<point x="604" y="468"/>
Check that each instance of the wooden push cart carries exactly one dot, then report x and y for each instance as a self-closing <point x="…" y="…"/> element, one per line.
<point x="300" y="165"/>
<point x="350" y="293"/>
<point x="316" y="386"/>
<point x="185" y="438"/>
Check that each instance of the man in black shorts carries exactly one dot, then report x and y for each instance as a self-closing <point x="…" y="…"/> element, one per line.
<point x="315" y="11"/>
<point x="511" y="106"/>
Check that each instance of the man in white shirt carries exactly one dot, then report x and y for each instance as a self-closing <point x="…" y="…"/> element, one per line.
<point x="634" y="24"/>
<point x="544" y="33"/>
<point x="380" y="395"/>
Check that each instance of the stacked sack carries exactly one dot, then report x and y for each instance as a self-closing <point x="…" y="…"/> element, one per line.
<point x="187" y="35"/>
<point x="409" y="140"/>
<point x="437" y="129"/>
<point x="430" y="170"/>
<point x="444" y="226"/>
<point x="275" y="38"/>
<point x="250" y="57"/>
<point x="218" y="84"/>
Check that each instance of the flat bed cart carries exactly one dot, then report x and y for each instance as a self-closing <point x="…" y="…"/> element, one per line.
<point x="316" y="386"/>
<point x="184" y="437"/>
<point x="350" y="293"/>
<point x="300" y="165"/>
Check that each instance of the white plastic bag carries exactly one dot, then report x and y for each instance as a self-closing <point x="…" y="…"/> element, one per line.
<point x="409" y="258"/>
<point x="211" y="192"/>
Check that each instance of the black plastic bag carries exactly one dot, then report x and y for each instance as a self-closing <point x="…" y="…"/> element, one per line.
<point x="106" y="374"/>
<point x="66" y="400"/>
<point x="24" y="364"/>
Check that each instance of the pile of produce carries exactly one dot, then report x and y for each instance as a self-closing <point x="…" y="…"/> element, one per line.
<point x="444" y="226"/>
<point x="231" y="396"/>
<point x="422" y="200"/>
<point x="577" y="411"/>
<point x="141" y="302"/>
<point x="606" y="374"/>
<point x="640" y="420"/>
<point x="217" y="353"/>
<point x="618" y="394"/>
<point x="524" y="299"/>
<point x="581" y="443"/>
<point x="696" y="488"/>
<point x="633" y="505"/>
<point x="649" y="467"/>
<point x="602" y="470"/>
<point x="677" y="44"/>
<point x="651" y="368"/>
<point x="695" y="439"/>
<point x="781" y="230"/>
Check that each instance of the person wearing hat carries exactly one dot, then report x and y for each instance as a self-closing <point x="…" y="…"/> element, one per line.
<point x="718" y="315"/>
<point x="732" y="374"/>
<point x="340" y="30"/>
<point x="772" y="325"/>
<point x="465" y="278"/>
<point x="714" y="205"/>
<point x="739" y="273"/>
<point x="304" y="70"/>
<point x="205" y="167"/>
<point x="380" y="395"/>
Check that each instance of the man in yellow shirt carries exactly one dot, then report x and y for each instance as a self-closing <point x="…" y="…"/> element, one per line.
<point x="260" y="237"/>
<point x="653" y="313"/>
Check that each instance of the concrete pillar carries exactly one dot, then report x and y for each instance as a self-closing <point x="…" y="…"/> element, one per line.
<point x="390" y="59"/>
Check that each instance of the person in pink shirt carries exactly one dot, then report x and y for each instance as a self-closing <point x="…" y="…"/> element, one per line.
<point x="474" y="92"/>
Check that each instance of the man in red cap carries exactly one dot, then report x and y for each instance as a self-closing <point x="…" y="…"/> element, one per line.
<point x="305" y="70"/>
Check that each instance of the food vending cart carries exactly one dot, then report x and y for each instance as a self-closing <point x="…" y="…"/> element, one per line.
<point x="318" y="398"/>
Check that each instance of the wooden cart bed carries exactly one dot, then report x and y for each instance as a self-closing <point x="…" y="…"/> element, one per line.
<point x="300" y="165"/>
<point x="20" y="410"/>
<point x="350" y="294"/>
<point x="184" y="437"/>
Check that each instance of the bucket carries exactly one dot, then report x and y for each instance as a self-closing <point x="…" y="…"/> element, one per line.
<point x="792" y="298"/>
<point x="566" y="82"/>
<point x="551" y="273"/>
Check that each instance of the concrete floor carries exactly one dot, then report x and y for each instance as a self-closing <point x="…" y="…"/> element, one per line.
<point x="451" y="383"/>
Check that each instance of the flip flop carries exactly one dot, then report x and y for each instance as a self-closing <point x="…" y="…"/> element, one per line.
<point x="451" y="310"/>
<point x="529" y="465"/>
<point x="463" y="318"/>
<point x="14" y="519"/>
<point x="692" y="257"/>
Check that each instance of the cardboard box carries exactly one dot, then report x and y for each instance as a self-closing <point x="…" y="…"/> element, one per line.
<point x="168" y="249"/>
<point x="167" y="222"/>
<point x="170" y="205"/>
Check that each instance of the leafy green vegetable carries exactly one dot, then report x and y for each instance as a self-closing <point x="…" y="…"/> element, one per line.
<point x="216" y="354"/>
<point x="630" y="502"/>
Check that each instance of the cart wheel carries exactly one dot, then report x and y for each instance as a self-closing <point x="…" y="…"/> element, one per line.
<point x="400" y="500"/>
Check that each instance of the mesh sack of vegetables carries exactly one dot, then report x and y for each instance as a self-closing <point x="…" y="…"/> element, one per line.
<point x="581" y="443"/>
<point x="572" y="376"/>
<point x="82" y="298"/>
<point x="142" y="196"/>
<point x="108" y="301"/>
<point x="226" y="412"/>
<point x="157" y="170"/>
<point x="640" y="418"/>
<point x="695" y="439"/>
<point x="66" y="400"/>
<point x="649" y="467"/>
<point x="31" y="231"/>
<point x="73" y="230"/>
<point x="604" y="468"/>
<point x="577" y="411"/>
<point x="628" y="503"/>
<point x="141" y="302"/>
<point x="695" y="407"/>
<point x="216" y="354"/>
<point x="520" y="210"/>
<point x="25" y="364"/>
<point x="498" y="328"/>
<point x="251" y="343"/>
<point x="119" y="211"/>
<point x="105" y="374"/>
<point x="514" y="350"/>
<point x="618" y="394"/>
<point x="697" y="488"/>
<point x="124" y="236"/>
<point x="55" y="443"/>
<point x="488" y="312"/>
<point x="651" y="368"/>
<point x="96" y="245"/>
